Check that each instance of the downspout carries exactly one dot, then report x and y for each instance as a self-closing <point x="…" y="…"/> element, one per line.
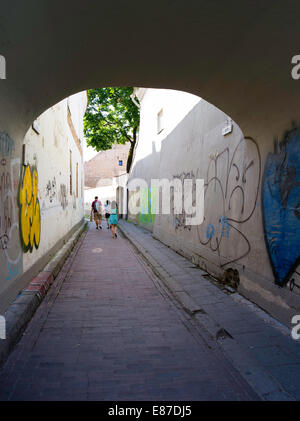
<point x="134" y="101"/>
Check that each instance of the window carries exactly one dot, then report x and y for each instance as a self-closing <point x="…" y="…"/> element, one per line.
<point x="120" y="162"/>
<point x="160" y="121"/>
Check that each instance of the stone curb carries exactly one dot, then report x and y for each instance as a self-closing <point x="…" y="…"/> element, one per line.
<point x="26" y="303"/>
<point x="266" y="387"/>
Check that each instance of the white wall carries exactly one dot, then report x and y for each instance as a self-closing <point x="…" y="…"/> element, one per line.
<point x="49" y="152"/>
<point x="37" y="207"/>
<point x="233" y="233"/>
<point x="175" y="105"/>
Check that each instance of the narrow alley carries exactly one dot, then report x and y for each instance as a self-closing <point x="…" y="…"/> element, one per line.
<point x="176" y="123"/>
<point x="108" y="330"/>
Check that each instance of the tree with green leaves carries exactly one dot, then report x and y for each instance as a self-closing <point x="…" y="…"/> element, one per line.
<point x="111" y="117"/>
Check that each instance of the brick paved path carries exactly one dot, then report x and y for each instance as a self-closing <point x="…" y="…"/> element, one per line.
<point x="259" y="347"/>
<point x="107" y="331"/>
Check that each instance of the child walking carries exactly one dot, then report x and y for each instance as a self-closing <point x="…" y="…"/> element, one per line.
<point x="113" y="218"/>
<point x="107" y="212"/>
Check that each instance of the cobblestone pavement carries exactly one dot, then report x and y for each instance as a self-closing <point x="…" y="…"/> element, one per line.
<point x="108" y="330"/>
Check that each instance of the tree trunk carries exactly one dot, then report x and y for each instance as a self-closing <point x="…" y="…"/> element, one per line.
<point x="131" y="150"/>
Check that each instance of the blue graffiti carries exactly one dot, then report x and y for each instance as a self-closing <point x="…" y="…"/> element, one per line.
<point x="281" y="207"/>
<point x="225" y="226"/>
<point x="210" y="231"/>
<point x="12" y="271"/>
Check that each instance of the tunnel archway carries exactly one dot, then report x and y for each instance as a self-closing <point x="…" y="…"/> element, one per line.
<point x="227" y="53"/>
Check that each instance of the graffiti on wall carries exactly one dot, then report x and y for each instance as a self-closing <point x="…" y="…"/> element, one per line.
<point x="145" y="216"/>
<point x="63" y="196"/>
<point x="5" y="200"/>
<point x="29" y="209"/>
<point x="51" y="190"/>
<point x="6" y="145"/>
<point x="281" y="206"/>
<point x="231" y="194"/>
<point x="179" y="220"/>
<point x="10" y="252"/>
<point x="74" y="200"/>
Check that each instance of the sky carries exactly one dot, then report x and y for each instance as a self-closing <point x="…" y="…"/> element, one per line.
<point x="88" y="152"/>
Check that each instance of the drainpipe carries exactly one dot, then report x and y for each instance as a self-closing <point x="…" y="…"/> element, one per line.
<point x="134" y="101"/>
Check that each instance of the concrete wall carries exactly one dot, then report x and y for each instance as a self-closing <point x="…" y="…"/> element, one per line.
<point x="40" y="205"/>
<point x="252" y="195"/>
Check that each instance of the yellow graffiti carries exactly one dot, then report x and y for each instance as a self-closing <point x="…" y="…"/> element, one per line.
<point x="30" y="217"/>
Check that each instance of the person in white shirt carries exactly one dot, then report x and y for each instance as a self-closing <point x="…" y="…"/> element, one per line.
<point x="107" y="212"/>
